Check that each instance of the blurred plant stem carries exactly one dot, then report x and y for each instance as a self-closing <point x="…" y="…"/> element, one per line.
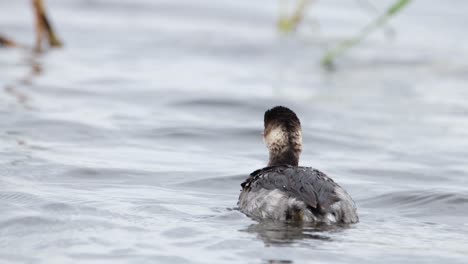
<point x="289" y="23"/>
<point x="6" y="42"/>
<point x="372" y="9"/>
<point x="43" y="27"/>
<point x="343" y="46"/>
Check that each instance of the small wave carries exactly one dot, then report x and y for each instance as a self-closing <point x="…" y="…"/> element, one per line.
<point x="279" y="233"/>
<point x="222" y="183"/>
<point x="220" y="102"/>
<point x="421" y="202"/>
<point x="57" y="207"/>
<point x="101" y="174"/>
<point x="19" y="197"/>
<point x="28" y="221"/>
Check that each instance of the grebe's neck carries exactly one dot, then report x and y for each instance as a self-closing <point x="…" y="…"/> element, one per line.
<point x="288" y="157"/>
<point x="284" y="146"/>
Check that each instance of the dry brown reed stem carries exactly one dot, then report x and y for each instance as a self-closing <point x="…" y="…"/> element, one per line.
<point x="43" y="27"/>
<point x="6" y="42"/>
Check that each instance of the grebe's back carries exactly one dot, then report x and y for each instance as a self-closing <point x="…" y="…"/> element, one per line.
<point x="296" y="193"/>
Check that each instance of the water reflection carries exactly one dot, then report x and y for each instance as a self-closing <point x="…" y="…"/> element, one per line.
<point x="280" y="261"/>
<point x="35" y="69"/>
<point x="287" y="233"/>
<point x="13" y="89"/>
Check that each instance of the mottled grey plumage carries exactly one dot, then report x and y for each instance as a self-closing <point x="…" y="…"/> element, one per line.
<point x="296" y="193"/>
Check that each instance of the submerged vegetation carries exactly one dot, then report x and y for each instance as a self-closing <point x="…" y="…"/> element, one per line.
<point x="290" y="23"/>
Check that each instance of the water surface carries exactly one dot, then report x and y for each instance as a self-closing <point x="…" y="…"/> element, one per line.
<point x="129" y="144"/>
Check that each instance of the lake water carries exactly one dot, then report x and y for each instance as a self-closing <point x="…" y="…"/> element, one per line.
<point x="129" y="144"/>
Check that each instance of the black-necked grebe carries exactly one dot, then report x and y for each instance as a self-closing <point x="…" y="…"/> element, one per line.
<point x="286" y="191"/>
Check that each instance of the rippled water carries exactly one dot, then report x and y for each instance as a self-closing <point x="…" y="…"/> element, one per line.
<point x="129" y="145"/>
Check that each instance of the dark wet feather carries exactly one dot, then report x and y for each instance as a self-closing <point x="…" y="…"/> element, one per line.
<point x="303" y="183"/>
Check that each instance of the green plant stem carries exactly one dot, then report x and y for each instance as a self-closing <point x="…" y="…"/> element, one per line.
<point x="330" y="56"/>
<point x="288" y="24"/>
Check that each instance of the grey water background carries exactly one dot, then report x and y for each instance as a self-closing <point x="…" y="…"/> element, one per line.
<point x="129" y="144"/>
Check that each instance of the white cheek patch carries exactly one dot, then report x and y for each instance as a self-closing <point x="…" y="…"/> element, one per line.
<point x="276" y="136"/>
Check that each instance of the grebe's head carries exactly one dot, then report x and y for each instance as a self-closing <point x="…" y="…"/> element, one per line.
<point x="283" y="136"/>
